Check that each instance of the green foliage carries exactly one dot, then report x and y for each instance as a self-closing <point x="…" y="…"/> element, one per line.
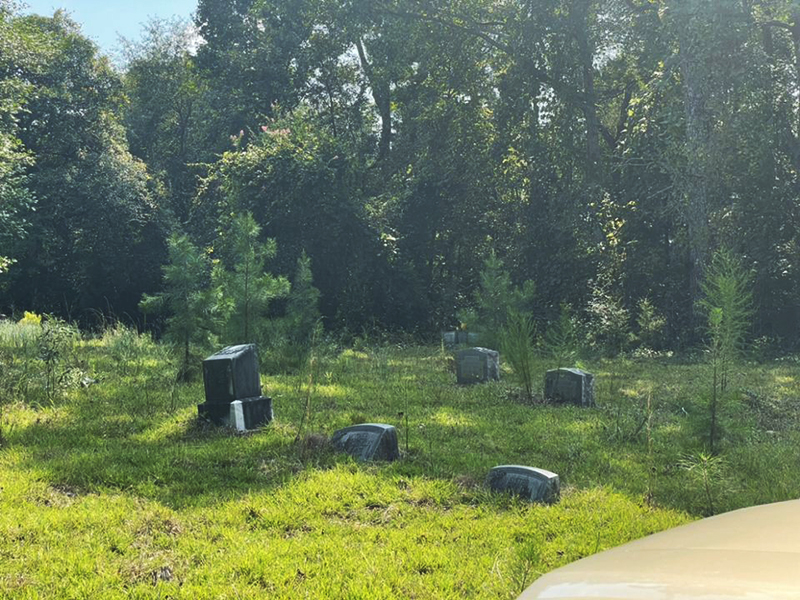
<point x="302" y="322"/>
<point x="16" y="201"/>
<point x="246" y="289"/>
<point x="707" y="474"/>
<point x="93" y="241"/>
<point x="518" y="349"/>
<point x="37" y="359"/>
<point x="496" y="301"/>
<point x="167" y="116"/>
<point x="560" y="341"/>
<point x="608" y="328"/>
<point x="727" y="301"/>
<point x="188" y="300"/>
<point x="650" y="324"/>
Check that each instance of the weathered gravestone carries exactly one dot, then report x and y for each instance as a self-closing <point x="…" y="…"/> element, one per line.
<point x="477" y="365"/>
<point x="571" y="386"/>
<point x="454" y="338"/>
<point x="233" y="389"/>
<point x="530" y="483"/>
<point x="232" y="374"/>
<point x="367" y="442"/>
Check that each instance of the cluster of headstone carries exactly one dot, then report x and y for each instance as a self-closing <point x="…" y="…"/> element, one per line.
<point x="233" y="389"/>
<point x="458" y="337"/>
<point x="569" y="386"/>
<point x="233" y="398"/>
<point x="477" y="365"/>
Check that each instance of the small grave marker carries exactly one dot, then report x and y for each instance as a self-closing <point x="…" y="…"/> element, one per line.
<point x="477" y="365"/>
<point x="455" y="338"/>
<point x="571" y="386"/>
<point x="368" y="442"/>
<point x="530" y="483"/>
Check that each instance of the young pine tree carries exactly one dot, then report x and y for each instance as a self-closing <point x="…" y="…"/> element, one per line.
<point x="561" y="338"/>
<point x="497" y="299"/>
<point x="302" y="308"/>
<point x="518" y="349"/>
<point x="186" y="298"/>
<point x="728" y="303"/>
<point x="247" y="289"/>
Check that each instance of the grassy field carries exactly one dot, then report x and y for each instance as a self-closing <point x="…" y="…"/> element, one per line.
<point x="115" y="490"/>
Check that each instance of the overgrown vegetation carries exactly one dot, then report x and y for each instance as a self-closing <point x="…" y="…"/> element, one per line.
<point x="113" y="485"/>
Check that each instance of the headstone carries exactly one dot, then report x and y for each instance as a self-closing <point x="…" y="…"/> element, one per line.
<point x="530" y="483"/>
<point x="233" y="389"/>
<point x="571" y="386"/>
<point x="477" y="365"/>
<point x="368" y="442"/>
<point x="455" y="338"/>
<point x="232" y="374"/>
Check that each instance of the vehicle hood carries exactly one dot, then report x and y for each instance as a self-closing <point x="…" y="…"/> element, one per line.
<point x="748" y="554"/>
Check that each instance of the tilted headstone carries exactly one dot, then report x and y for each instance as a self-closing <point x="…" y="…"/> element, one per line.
<point x="367" y="442"/>
<point x="530" y="483"/>
<point x="233" y="389"/>
<point x="455" y="338"/>
<point x="571" y="386"/>
<point x="232" y="374"/>
<point x="477" y="365"/>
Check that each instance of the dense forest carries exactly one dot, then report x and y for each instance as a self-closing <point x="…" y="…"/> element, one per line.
<point x="593" y="154"/>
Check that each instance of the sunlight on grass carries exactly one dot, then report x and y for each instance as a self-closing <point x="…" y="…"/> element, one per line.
<point x="448" y="417"/>
<point x="136" y="498"/>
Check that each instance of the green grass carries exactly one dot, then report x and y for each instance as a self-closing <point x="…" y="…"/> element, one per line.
<point x="115" y="490"/>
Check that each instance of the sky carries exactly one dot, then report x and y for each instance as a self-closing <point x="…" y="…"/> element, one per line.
<point x="105" y="20"/>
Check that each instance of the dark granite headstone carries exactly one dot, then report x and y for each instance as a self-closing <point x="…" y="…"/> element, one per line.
<point x="370" y="441"/>
<point x="477" y="365"/>
<point x="232" y="374"/>
<point x="571" y="386"/>
<point x="530" y="483"/>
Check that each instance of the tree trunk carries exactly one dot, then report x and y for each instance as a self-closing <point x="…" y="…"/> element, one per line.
<point x="695" y="178"/>
<point x="381" y="96"/>
<point x="579" y="16"/>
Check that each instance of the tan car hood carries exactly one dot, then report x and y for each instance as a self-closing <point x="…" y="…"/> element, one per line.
<point x="751" y="554"/>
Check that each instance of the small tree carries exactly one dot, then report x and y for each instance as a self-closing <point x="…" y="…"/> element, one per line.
<point x="650" y="324"/>
<point x="495" y="300"/>
<point x="302" y="308"/>
<point x="561" y="338"/>
<point x="728" y="303"/>
<point x="187" y="299"/>
<point x="248" y="289"/>
<point x="518" y="349"/>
